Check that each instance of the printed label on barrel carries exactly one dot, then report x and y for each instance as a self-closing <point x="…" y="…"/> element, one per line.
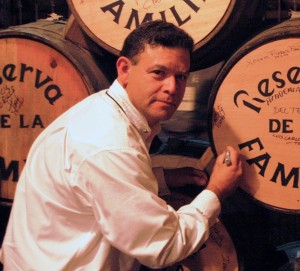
<point x="37" y="84"/>
<point x="102" y="18"/>
<point x="257" y="111"/>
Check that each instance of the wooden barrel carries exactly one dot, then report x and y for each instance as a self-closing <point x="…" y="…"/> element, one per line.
<point x="254" y="106"/>
<point x="217" y="27"/>
<point x="42" y="75"/>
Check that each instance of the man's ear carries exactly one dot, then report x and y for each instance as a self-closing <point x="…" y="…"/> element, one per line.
<point x="123" y="68"/>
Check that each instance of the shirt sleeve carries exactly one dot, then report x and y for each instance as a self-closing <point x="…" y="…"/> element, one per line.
<point x="131" y="216"/>
<point x="208" y="203"/>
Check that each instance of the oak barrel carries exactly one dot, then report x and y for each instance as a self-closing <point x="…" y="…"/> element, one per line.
<point x="42" y="75"/>
<point x="254" y="106"/>
<point x="217" y="27"/>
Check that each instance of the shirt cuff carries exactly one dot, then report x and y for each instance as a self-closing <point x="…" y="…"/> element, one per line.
<point x="208" y="204"/>
<point x="163" y="189"/>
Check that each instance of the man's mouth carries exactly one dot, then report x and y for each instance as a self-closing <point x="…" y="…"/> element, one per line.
<point x="170" y="103"/>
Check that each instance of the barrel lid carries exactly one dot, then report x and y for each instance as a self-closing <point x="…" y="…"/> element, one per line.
<point x="254" y="106"/>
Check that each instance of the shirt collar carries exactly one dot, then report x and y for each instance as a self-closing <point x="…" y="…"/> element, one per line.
<point x="120" y="96"/>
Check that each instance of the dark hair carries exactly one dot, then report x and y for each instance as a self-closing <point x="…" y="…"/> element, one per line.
<point x="156" y="33"/>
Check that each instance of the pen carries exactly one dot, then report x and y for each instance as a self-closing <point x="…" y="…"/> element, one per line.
<point x="227" y="159"/>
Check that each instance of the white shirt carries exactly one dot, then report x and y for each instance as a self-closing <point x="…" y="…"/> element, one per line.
<point x="87" y="197"/>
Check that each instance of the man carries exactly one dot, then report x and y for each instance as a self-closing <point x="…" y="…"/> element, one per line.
<point x="87" y="198"/>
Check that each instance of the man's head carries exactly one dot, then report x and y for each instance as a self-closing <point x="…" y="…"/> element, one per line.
<point x="153" y="68"/>
<point x="156" y="33"/>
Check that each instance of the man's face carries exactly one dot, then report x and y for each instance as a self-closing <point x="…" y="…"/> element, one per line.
<point x="156" y="83"/>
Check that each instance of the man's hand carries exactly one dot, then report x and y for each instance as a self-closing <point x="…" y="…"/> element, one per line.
<point x="225" y="178"/>
<point x="179" y="177"/>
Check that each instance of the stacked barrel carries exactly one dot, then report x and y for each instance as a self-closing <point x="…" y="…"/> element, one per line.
<point x="251" y="101"/>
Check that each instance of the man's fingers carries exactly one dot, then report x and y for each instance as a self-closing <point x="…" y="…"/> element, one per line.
<point x="200" y="177"/>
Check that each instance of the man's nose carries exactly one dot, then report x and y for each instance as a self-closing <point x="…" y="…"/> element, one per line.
<point x="170" y="84"/>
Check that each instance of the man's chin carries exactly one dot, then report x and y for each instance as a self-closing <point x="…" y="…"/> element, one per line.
<point x="167" y="116"/>
<point x="164" y="115"/>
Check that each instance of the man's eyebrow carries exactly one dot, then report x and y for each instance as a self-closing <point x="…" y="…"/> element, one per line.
<point x="163" y="67"/>
<point x="159" y="66"/>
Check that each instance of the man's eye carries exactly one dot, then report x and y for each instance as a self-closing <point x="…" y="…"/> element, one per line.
<point x="158" y="72"/>
<point x="181" y="77"/>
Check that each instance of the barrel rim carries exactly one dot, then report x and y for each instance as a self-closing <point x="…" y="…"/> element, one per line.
<point x="269" y="206"/>
<point x="233" y="15"/>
